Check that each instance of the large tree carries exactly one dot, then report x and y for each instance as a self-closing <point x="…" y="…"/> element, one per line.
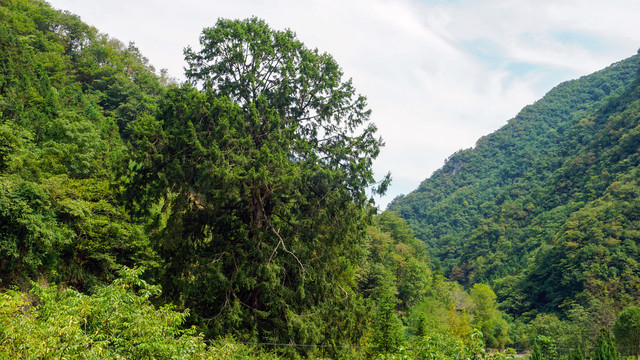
<point x="263" y="172"/>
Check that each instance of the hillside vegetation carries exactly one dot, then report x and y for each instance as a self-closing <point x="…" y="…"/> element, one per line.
<point x="546" y="209"/>
<point x="227" y="217"/>
<point x="231" y="216"/>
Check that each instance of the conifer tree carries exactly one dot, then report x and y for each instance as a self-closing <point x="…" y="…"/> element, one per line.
<point x="388" y="332"/>
<point x="605" y="349"/>
<point x="263" y="175"/>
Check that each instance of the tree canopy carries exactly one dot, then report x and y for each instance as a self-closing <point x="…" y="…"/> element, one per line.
<point x="246" y="193"/>
<point x="627" y="331"/>
<point x="263" y="177"/>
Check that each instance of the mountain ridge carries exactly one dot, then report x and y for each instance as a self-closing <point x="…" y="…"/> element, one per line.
<point x="493" y="206"/>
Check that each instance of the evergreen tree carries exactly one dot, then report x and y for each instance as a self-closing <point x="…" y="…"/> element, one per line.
<point x="605" y="349"/>
<point x="627" y="330"/>
<point x="576" y="354"/>
<point x="263" y="177"/>
<point x="544" y="348"/>
<point x="388" y="334"/>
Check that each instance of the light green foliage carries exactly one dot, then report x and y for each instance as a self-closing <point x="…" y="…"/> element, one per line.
<point x="627" y="331"/>
<point x="459" y="322"/>
<point x="544" y="348"/>
<point x="430" y="317"/>
<point x="444" y="347"/>
<point x="576" y="354"/>
<point x="549" y="326"/>
<point x="228" y="348"/>
<point x="388" y="336"/>
<point x="116" y="322"/>
<point x="408" y="257"/>
<point x="576" y="336"/>
<point x="487" y="317"/>
<point x="396" y="262"/>
<point x="605" y="349"/>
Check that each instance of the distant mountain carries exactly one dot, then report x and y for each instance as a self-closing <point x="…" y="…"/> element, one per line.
<point x="547" y="208"/>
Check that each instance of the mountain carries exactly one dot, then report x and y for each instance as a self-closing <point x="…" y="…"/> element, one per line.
<point x="143" y="218"/>
<point x="546" y="208"/>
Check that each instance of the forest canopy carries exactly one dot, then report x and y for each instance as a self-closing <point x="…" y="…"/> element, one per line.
<point x="232" y="216"/>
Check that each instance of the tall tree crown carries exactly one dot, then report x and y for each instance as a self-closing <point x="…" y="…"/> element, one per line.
<point x="250" y="63"/>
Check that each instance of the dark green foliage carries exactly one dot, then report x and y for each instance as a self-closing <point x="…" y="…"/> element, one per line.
<point x="250" y="190"/>
<point x="31" y="238"/>
<point x="262" y="179"/>
<point x="258" y="206"/>
<point x="545" y="209"/>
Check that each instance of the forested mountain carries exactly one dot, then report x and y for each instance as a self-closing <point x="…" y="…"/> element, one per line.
<point x="546" y="208"/>
<point x="231" y="216"/>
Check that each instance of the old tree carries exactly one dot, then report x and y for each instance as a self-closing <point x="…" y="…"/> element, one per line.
<point x="262" y="167"/>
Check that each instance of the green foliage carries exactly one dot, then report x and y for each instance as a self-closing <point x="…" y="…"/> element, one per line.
<point x="627" y="331"/>
<point x="576" y="354"/>
<point x="388" y="336"/>
<point x="262" y="181"/>
<point x="605" y="349"/>
<point x="30" y="235"/>
<point x="487" y="317"/>
<point x="544" y="209"/>
<point x="430" y="317"/>
<point x="228" y="348"/>
<point x="544" y="348"/>
<point x="116" y="322"/>
<point x="251" y="194"/>
<point x="59" y="146"/>
<point x="446" y="348"/>
<point x="396" y="262"/>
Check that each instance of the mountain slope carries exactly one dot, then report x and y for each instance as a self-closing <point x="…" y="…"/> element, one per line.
<point x="497" y="212"/>
<point x="67" y="93"/>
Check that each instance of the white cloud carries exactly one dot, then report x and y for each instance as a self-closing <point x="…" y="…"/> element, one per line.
<point x="430" y="93"/>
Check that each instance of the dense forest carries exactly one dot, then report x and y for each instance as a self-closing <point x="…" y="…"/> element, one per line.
<point x="231" y="216"/>
<point x="546" y="209"/>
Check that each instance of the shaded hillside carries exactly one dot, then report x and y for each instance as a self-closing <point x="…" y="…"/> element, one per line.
<point x="67" y="93"/>
<point x="543" y="208"/>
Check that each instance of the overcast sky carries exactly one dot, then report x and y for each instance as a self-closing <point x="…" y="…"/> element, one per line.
<point x="438" y="74"/>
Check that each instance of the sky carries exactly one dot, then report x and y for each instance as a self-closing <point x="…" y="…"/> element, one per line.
<point x="438" y="74"/>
